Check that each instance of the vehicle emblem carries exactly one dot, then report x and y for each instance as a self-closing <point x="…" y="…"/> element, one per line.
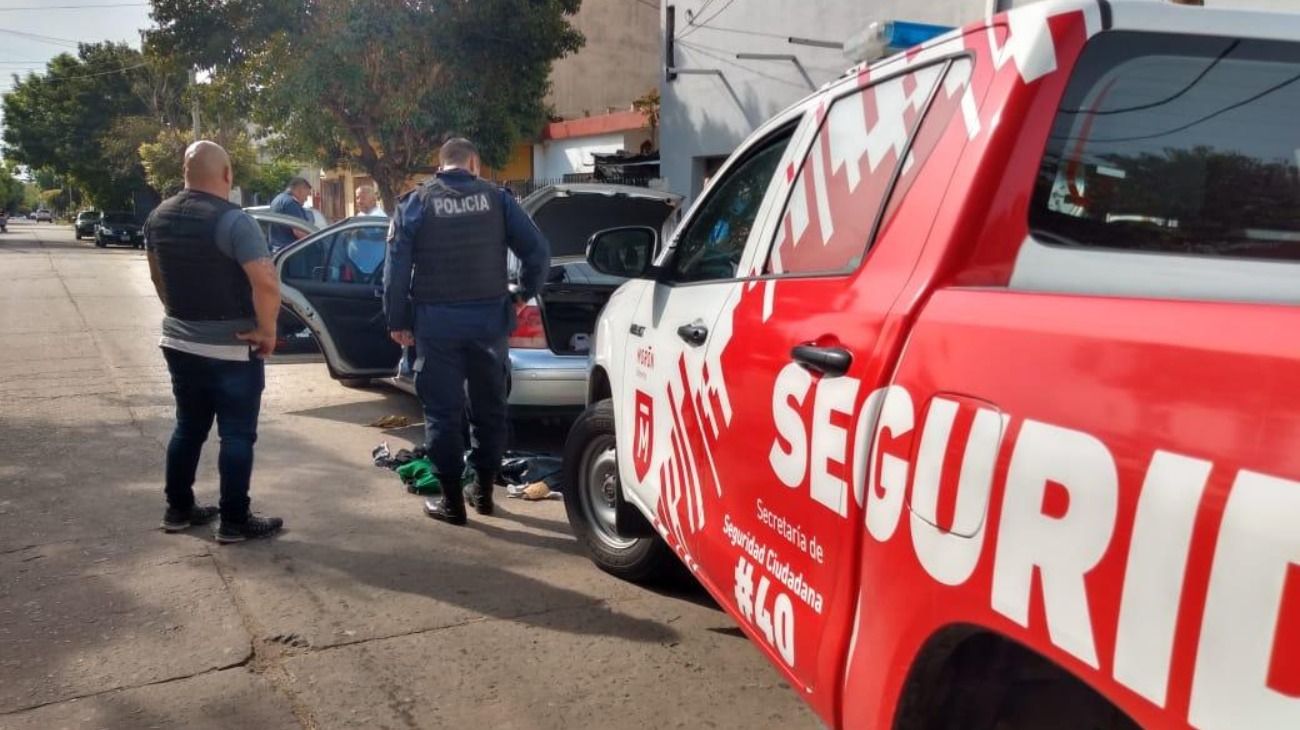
<point x="643" y="436"/>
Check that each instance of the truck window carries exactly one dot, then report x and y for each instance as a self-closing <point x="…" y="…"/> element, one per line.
<point x="1176" y="144"/>
<point x="711" y="246"/>
<point x="845" y="179"/>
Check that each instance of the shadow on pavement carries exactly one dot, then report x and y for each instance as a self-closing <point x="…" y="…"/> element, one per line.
<point x="483" y="588"/>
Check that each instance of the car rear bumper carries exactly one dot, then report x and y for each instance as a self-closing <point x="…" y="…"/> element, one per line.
<point x="538" y="379"/>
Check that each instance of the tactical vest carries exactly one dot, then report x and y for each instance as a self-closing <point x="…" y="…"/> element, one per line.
<point x="460" y="247"/>
<point x="200" y="282"/>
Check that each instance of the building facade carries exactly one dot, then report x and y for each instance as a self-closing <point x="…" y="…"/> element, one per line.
<point x="737" y="63"/>
<point x="593" y="90"/>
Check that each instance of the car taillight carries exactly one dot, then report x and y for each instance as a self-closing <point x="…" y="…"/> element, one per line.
<point x="529" y="333"/>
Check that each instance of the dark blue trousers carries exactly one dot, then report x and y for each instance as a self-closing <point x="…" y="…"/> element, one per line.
<point x="447" y="369"/>
<point x="231" y="393"/>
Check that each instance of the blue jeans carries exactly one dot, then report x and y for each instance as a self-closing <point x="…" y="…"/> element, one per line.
<point x="230" y="392"/>
<point x="443" y="369"/>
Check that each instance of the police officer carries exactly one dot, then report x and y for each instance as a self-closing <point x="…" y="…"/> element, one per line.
<point x="445" y="288"/>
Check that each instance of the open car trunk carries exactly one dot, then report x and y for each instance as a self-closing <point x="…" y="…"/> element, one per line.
<point x="575" y="293"/>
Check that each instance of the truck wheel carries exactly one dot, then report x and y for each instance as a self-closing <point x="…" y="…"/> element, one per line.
<point x="590" y="483"/>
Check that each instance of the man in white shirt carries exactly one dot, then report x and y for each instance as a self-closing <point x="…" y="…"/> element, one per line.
<point x="368" y="203"/>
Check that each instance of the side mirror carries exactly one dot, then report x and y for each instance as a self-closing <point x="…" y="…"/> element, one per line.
<point x="623" y="252"/>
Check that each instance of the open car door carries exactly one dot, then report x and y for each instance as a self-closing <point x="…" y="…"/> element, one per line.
<point x="331" y="283"/>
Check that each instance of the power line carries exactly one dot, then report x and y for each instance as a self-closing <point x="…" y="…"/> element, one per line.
<point x="755" y="33"/>
<point x="696" y="26"/>
<point x="1151" y="105"/>
<point x="1193" y="123"/>
<point x="91" y="76"/>
<point x="42" y="38"/>
<point x="703" y="6"/>
<point x="72" y="7"/>
<point x="732" y="60"/>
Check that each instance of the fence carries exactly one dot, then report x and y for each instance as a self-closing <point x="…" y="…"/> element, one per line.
<point x="524" y="188"/>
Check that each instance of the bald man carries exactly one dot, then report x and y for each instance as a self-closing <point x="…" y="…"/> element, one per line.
<point x="212" y="270"/>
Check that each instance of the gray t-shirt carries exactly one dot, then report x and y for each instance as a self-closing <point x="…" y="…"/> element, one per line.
<point x="239" y="237"/>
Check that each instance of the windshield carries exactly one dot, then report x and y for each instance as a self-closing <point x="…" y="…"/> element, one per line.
<point x="1179" y="144"/>
<point x="87" y="215"/>
<point x="119" y="218"/>
<point x="567" y="222"/>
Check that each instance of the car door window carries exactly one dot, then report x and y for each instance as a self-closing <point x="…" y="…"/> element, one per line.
<point x="357" y="256"/>
<point x="711" y="246"/>
<point x="844" y="182"/>
<point x="308" y="262"/>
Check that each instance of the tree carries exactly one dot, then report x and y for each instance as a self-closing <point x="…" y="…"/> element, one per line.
<point x="378" y="85"/>
<point x="66" y="119"/>
<point x="12" y="191"/>
<point x="163" y="158"/>
<point x="270" y="178"/>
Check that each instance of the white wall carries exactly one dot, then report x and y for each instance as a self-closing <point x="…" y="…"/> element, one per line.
<point x="708" y="115"/>
<point x="554" y="159"/>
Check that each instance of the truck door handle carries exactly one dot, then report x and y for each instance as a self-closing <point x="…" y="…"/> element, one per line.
<point x="694" y="333"/>
<point x="829" y="361"/>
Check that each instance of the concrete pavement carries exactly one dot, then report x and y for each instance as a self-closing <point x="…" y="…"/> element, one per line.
<point x="363" y="614"/>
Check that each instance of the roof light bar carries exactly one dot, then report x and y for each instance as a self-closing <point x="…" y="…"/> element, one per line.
<point x="882" y="38"/>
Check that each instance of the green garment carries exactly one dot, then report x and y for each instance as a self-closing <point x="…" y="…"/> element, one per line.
<point x="418" y="476"/>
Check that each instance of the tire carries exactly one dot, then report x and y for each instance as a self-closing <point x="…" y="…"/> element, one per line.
<point x="589" y="455"/>
<point x="76" y="236"/>
<point x="99" y="243"/>
<point x="356" y="382"/>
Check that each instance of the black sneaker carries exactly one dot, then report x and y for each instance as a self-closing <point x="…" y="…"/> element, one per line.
<point x="252" y="528"/>
<point x="176" y="520"/>
<point x="446" y="510"/>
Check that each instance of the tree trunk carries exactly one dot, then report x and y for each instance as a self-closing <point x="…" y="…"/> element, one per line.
<point x="389" y="183"/>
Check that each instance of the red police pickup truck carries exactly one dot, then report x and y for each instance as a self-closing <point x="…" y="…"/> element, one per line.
<point x="970" y="386"/>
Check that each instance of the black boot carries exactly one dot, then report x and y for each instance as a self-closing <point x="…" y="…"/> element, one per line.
<point x="479" y="494"/>
<point x="450" y="507"/>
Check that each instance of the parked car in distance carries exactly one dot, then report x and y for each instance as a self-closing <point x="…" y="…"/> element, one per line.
<point x="84" y="227"/>
<point x="331" y="281"/>
<point x="119" y="228"/>
<point x="43" y="215"/>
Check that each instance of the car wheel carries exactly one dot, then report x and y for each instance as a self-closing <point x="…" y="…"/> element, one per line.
<point x="356" y="382"/>
<point x="76" y="236"/>
<point x="99" y="243"/>
<point x="591" y="481"/>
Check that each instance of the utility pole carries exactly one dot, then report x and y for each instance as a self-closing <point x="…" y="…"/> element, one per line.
<point x="194" y="102"/>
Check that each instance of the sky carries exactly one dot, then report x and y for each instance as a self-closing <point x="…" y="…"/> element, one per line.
<point x="63" y="24"/>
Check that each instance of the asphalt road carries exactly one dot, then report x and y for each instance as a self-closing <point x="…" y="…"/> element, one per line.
<point x="363" y="614"/>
